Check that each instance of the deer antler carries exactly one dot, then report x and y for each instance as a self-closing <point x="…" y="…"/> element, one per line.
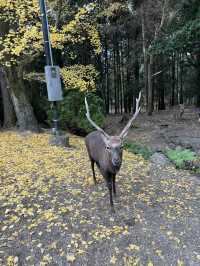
<point x="92" y="122"/>
<point x="137" y="110"/>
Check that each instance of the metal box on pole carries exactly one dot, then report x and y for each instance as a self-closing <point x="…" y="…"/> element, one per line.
<point x="54" y="88"/>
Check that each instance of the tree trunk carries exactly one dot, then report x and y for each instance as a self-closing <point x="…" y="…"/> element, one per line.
<point x="24" y="112"/>
<point x="181" y="79"/>
<point x="198" y="82"/>
<point x="150" y="86"/>
<point x="118" y="75"/>
<point x="161" y="84"/>
<point x="126" y="94"/>
<point x="177" y="79"/>
<point x="106" y="71"/>
<point x="9" y="118"/>
<point x="144" y="46"/>
<point x="173" y="81"/>
<point x="123" y="75"/>
<point x="115" y="73"/>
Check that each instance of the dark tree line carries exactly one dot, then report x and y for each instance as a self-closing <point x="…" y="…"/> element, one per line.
<point x="150" y="46"/>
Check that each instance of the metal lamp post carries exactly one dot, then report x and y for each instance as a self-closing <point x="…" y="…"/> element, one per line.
<point x="52" y="73"/>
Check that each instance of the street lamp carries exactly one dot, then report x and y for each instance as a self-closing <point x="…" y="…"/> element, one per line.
<point x="52" y="73"/>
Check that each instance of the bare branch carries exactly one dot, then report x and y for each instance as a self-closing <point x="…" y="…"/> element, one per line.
<point x="92" y="122"/>
<point x="157" y="73"/>
<point x="137" y="110"/>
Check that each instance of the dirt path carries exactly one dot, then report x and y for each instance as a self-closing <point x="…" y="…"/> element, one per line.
<point x="52" y="214"/>
<point x="162" y="130"/>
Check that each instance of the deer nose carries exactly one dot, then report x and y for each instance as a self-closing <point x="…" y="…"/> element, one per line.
<point x="116" y="162"/>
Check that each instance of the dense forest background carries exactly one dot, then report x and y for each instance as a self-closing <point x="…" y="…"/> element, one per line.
<point x="109" y="50"/>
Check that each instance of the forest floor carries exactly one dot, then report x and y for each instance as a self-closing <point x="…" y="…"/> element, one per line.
<point x="162" y="130"/>
<point x="52" y="214"/>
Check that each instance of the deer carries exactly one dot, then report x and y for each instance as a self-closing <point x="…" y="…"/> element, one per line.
<point x="107" y="151"/>
<point x="179" y="111"/>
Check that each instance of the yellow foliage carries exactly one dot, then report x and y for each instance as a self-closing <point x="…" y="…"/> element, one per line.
<point x="24" y="38"/>
<point x="79" y="77"/>
<point x="113" y="259"/>
<point x="71" y="258"/>
<point x="46" y="185"/>
<point x="133" y="247"/>
<point x="83" y="24"/>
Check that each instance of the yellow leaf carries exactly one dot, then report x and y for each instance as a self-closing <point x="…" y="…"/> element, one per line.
<point x="71" y="258"/>
<point x="133" y="247"/>
<point x="180" y="263"/>
<point x="169" y="233"/>
<point x="113" y="259"/>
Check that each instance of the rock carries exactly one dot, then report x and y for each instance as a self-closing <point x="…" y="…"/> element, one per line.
<point x="59" y="140"/>
<point x="159" y="159"/>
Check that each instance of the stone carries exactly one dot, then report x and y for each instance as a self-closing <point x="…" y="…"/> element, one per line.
<point x="159" y="159"/>
<point x="59" y="140"/>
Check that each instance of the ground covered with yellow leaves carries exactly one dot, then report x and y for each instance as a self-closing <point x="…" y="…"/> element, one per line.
<point x="52" y="214"/>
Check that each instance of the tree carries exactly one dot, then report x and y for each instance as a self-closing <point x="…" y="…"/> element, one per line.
<point x="21" y="43"/>
<point x="8" y="110"/>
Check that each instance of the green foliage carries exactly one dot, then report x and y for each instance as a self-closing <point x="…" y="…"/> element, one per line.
<point x="179" y="157"/>
<point x="136" y="148"/>
<point x="182" y="32"/>
<point x="72" y="111"/>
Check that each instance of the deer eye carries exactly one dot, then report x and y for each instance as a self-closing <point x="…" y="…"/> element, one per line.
<point x="108" y="148"/>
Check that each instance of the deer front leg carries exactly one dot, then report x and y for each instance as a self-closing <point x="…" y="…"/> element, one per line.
<point x="113" y="182"/>
<point x="110" y="187"/>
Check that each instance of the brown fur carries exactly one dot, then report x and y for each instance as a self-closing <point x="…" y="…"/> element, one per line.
<point x="98" y="152"/>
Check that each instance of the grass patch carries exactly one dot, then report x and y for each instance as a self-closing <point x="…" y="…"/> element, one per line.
<point x="181" y="157"/>
<point x="136" y="148"/>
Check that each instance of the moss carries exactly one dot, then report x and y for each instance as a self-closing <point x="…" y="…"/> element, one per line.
<point x="180" y="157"/>
<point x="136" y="148"/>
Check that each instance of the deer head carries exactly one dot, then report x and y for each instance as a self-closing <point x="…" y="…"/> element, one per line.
<point x="114" y="144"/>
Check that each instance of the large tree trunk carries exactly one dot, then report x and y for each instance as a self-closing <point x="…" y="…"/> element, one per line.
<point x="24" y="112"/>
<point x="150" y="86"/>
<point x="9" y="118"/>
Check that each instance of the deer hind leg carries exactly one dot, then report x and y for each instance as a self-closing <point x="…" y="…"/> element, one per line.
<point x="93" y="172"/>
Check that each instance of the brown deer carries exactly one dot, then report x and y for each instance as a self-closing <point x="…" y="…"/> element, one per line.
<point x="106" y="151"/>
<point x="179" y="111"/>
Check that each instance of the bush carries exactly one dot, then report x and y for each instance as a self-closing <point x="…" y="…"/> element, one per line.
<point x="136" y="148"/>
<point x="180" y="157"/>
<point x="72" y="112"/>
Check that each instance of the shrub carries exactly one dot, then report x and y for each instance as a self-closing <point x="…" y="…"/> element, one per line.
<point x="180" y="157"/>
<point x="72" y="111"/>
<point x="136" y="148"/>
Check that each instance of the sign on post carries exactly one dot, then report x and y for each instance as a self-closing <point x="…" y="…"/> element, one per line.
<point x="54" y="89"/>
